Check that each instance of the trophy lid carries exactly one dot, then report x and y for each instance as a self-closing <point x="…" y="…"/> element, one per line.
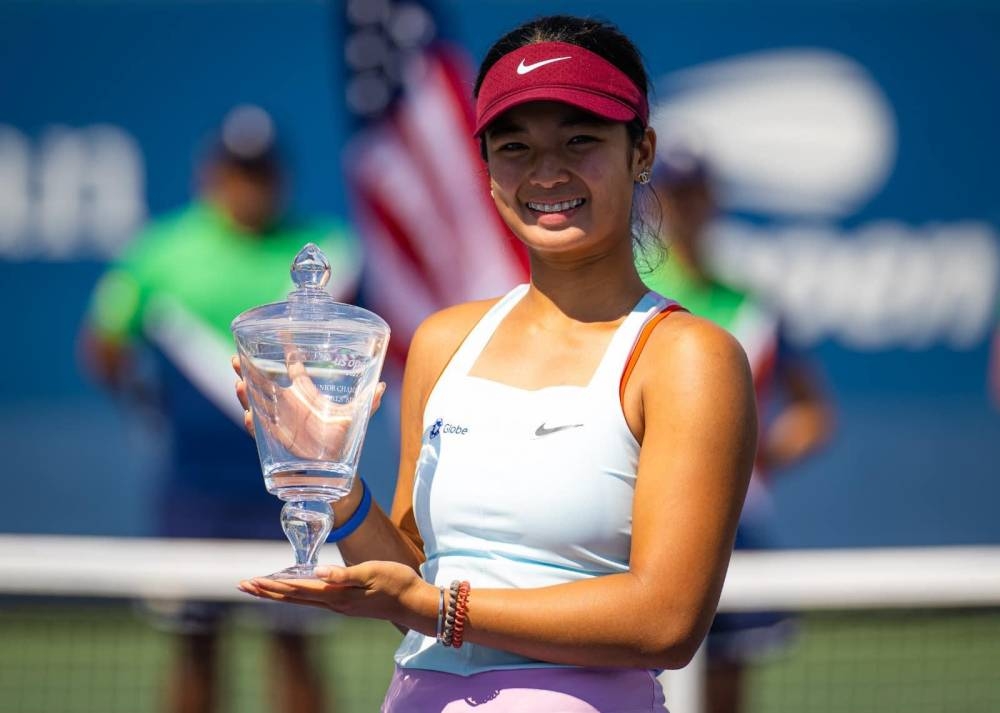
<point x="309" y="305"/>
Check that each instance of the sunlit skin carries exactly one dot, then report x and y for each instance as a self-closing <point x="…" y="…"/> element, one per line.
<point x="547" y="153"/>
<point x="695" y="455"/>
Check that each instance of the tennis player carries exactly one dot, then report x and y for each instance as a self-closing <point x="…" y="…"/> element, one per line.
<point x="574" y="453"/>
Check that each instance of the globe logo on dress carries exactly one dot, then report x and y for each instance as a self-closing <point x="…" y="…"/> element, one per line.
<point x="440" y="427"/>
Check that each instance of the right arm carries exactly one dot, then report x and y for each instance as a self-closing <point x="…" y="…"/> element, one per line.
<point x="394" y="537"/>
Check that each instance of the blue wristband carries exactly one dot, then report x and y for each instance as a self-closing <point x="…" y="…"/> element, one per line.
<point x="355" y="520"/>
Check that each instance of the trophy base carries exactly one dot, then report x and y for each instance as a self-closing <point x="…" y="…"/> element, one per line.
<point x="298" y="571"/>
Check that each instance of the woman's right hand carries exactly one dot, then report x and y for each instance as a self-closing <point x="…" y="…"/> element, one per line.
<point x="301" y="418"/>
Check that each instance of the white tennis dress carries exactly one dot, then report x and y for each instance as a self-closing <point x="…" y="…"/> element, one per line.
<point x="522" y="488"/>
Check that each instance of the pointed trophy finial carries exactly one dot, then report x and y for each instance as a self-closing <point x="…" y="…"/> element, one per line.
<point x="310" y="268"/>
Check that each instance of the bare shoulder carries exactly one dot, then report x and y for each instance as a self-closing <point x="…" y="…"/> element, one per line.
<point x="686" y="348"/>
<point x="439" y="336"/>
<point x="443" y="331"/>
<point x="454" y="321"/>
<point x="695" y="387"/>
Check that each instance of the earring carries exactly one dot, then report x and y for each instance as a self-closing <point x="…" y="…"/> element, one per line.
<point x="643" y="177"/>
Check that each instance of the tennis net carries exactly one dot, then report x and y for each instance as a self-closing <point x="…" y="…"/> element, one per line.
<point x="874" y="630"/>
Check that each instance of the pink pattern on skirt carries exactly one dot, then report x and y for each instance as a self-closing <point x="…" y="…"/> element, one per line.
<point x="525" y="690"/>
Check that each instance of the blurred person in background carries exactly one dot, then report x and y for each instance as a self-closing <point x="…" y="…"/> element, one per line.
<point x="796" y="418"/>
<point x="169" y="301"/>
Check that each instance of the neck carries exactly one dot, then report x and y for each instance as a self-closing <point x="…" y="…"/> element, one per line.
<point x="600" y="288"/>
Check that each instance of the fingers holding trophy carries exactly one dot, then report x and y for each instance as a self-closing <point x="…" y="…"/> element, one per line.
<point x="311" y="366"/>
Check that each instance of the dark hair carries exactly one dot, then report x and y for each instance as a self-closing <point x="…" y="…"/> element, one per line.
<point x="607" y="41"/>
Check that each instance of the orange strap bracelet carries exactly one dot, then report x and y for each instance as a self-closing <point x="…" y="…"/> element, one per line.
<point x="461" y="614"/>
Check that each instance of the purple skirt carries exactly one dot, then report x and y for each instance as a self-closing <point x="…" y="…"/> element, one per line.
<point x="525" y="690"/>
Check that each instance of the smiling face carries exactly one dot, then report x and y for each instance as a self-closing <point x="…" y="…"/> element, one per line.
<point x="562" y="179"/>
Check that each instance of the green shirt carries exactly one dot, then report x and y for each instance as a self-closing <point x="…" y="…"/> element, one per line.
<point x="706" y="298"/>
<point x="200" y="262"/>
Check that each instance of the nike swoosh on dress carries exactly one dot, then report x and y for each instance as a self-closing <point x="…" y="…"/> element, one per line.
<point x="543" y="431"/>
<point x="523" y="68"/>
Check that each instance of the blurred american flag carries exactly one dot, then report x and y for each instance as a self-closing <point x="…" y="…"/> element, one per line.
<point x="419" y="187"/>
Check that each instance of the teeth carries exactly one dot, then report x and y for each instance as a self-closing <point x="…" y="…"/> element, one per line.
<point x="555" y="207"/>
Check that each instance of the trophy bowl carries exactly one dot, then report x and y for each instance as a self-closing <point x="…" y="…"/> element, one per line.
<point x="311" y="367"/>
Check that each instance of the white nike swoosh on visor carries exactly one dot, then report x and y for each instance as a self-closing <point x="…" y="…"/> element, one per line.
<point x="525" y="68"/>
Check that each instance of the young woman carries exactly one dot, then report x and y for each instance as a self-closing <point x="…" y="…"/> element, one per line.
<point x="575" y="453"/>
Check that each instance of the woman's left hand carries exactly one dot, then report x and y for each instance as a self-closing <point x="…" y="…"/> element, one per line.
<point x="376" y="590"/>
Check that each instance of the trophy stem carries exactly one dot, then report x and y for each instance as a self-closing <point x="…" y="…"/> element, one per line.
<point x="306" y="524"/>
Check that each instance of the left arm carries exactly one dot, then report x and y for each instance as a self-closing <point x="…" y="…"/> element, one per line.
<point x="690" y="403"/>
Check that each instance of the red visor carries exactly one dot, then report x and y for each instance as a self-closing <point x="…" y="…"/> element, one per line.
<point x="557" y="71"/>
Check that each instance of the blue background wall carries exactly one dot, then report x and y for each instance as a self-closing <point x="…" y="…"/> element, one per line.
<point x="914" y="460"/>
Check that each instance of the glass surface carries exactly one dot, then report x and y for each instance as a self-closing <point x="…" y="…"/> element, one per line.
<point x="311" y="366"/>
<point x="311" y="394"/>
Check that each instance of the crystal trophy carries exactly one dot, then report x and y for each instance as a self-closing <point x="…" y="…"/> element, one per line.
<point x="311" y="366"/>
